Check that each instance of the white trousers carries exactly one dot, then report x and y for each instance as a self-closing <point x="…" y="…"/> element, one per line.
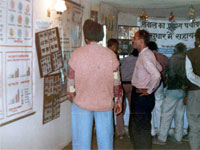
<point x="156" y="113"/>
<point x="172" y="107"/>
<point x="193" y="114"/>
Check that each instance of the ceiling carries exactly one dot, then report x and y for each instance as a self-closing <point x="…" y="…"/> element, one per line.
<point x="153" y="3"/>
<point x="155" y="8"/>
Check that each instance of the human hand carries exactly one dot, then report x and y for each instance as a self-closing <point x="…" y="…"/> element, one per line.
<point x="71" y="96"/>
<point x="185" y="101"/>
<point x="118" y="108"/>
<point x="142" y="91"/>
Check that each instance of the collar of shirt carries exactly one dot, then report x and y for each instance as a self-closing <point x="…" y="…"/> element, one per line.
<point x="142" y="51"/>
<point x="93" y="43"/>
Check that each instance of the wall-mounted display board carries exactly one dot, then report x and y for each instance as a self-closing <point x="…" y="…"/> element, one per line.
<point x="71" y="30"/>
<point x="52" y="89"/>
<point x="17" y="100"/>
<point x="16" y="23"/>
<point x="167" y="34"/>
<point x="48" y="51"/>
<point x="108" y="20"/>
<point x="16" y="60"/>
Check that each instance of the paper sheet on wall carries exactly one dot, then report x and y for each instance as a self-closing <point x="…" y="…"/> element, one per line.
<point x="71" y="34"/>
<point x="16" y="22"/>
<point x="16" y="60"/>
<point x="48" y="51"/>
<point x="52" y="89"/>
<point x="18" y="82"/>
<point x="17" y="98"/>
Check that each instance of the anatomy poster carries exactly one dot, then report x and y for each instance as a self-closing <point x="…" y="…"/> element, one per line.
<point x="52" y="89"/>
<point x="16" y="23"/>
<point x="48" y="51"/>
<point x="71" y="35"/>
<point x="19" y="82"/>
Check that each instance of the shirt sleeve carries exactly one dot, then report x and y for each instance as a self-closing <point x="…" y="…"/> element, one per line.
<point x="71" y="91"/>
<point x="117" y="86"/>
<point x="155" y="76"/>
<point x="115" y="62"/>
<point x="192" y="77"/>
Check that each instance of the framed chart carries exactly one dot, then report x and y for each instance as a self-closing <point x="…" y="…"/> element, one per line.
<point x="18" y="98"/>
<point x="48" y="51"/>
<point x="52" y="89"/>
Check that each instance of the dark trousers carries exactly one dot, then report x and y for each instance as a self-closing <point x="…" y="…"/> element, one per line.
<point x="140" y="120"/>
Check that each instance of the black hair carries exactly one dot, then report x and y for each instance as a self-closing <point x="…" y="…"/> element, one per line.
<point x="180" y="48"/>
<point x="112" y="42"/>
<point x="152" y="46"/>
<point x="197" y="34"/>
<point x="143" y="34"/>
<point x="93" y="31"/>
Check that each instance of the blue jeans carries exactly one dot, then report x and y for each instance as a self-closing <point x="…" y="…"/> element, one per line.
<point x="82" y="123"/>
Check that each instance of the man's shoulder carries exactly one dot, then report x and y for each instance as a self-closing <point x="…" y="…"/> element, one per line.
<point x="193" y="50"/>
<point x="129" y="59"/>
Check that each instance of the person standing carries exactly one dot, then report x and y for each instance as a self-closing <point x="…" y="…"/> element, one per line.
<point x="159" y="93"/>
<point x="173" y="106"/>
<point x="145" y="80"/>
<point x="93" y="83"/>
<point x="126" y="68"/>
<point x="113" y="44"/>
<point x="193" y="98"/>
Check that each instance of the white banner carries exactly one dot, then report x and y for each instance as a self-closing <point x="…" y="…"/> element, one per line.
<point x="167" y="34"/>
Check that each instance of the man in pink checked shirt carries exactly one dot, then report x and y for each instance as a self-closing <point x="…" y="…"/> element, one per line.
<point x="94" y="88"/>
<point x="145" y="80"/>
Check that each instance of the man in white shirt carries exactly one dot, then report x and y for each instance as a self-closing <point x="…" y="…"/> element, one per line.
<point x="192" y="67"/>
<point x="145" y="80"/>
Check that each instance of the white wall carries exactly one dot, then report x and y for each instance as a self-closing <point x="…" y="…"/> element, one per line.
<point x="127" y="19"/>
<point x="30" y="133"/>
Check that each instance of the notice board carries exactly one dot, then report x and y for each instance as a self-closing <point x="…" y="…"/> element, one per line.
<point x="48" y="51"/>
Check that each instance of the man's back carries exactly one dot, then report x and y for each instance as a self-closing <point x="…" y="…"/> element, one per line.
<point x="176" y="71"/>
<point x="94" y="66"/>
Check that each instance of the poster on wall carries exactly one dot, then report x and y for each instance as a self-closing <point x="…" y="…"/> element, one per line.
<point x="167" y="34"/>
<point x="19" y="82"/>
<point x="48" y="51"/>
<point x="18" y="98"/>
<point x="52" y="89"/>
<point x="16" y="60"/>
<point x="71" y="31"/>
<point x="108" y="20"/>
<point x="1" y="86"/>
<point x="16" y="23"/>
<point x="64" y="73"/>
<point x="94" y="15"/>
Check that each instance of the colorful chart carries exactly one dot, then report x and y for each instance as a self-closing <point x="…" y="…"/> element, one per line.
<point x="19" y="84"/>
<point x="16" y="19"/>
